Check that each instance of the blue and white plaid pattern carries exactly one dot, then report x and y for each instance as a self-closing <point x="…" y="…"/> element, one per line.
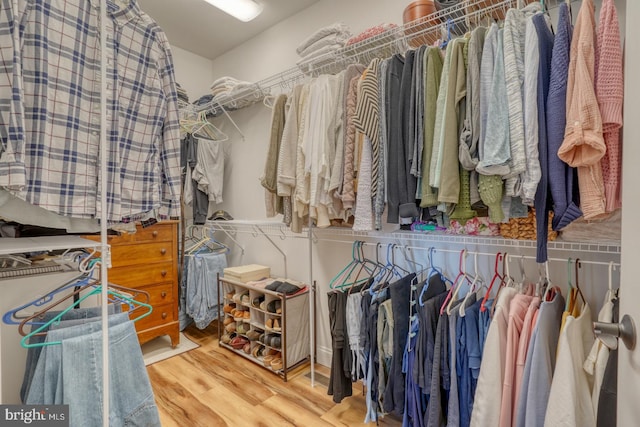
<point x="55" y="162"/>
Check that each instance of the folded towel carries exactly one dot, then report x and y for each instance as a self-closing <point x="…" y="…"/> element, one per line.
<point x="329" y="40"/>
<point x="336" y="28"/>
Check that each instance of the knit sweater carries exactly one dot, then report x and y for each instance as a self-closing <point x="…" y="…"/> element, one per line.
<point x="367" y="114"/>
<point x="561" y="175"/>
<point x="545" y="46"/>
<point x="610" y="94"/>
<point x="583" y="146"/>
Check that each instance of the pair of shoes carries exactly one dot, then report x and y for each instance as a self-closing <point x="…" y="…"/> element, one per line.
<point x="229" y="296"/>
<point x="263" y="305"/>
<point x="276" y="364"/>
<point x="254" y="334"/>
<point x="258" y="351"/>
<point x="228" y="308"/>
<point x="273" y="341"/>
<point x="275" y="306"/>
<point x="257" y="301"/>
<point x="238" y="342"/>
<point x="247" y="348"/>
<point x="239" y="315"/>
<point x="228" y="320"/>
<point x="226" y="338"/>
<point x="245" y="299"/>
<point x="231" y="327"/>
<point x="273" y="324"/>
<point x="269" y="358"/>
<point x="283" y="287"/>
<point x="242" y="328"/>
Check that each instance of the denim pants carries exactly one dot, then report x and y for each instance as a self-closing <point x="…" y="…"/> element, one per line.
<point x="33" y="353"/>
<point x="79" y="358"/>
<point x="46" y="385"/>
<point x="202" y="288"/>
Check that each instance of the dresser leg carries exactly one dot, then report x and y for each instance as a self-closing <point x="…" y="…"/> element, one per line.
<point x="175" y="338"/>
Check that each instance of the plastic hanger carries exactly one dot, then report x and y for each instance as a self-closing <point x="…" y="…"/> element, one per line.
<point x="456" y="283"/>
<point x="507" y="281"/>
<point x="432" y="270"/>
<point x="472" y="289"/>
<point x="496" y="276"/>
<point x="9" y="316"/>
<point x="97" y="290"/>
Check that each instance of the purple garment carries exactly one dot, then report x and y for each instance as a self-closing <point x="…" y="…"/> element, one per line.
<point x="542" y="203"/>
<point x="561" y="176"/>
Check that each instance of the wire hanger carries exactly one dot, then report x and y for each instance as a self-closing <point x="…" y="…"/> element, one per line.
<point x="456" y="283"/>
<point x="432" y="270"/>
<point x="577" y="267"/>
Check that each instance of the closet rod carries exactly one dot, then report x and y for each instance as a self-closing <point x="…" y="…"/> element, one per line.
<point x="382" y="45"/>
<point x="487" y="254"/>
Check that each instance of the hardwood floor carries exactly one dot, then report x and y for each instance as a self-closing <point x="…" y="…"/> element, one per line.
<point x="210" y="387"/>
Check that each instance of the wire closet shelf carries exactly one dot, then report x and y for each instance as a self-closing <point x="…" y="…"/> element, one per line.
<point x="450" y="22"/>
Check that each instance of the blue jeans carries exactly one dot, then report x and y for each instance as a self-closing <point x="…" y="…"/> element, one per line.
<point x="46" y="386"/>
<point x="33" y="353"/>
<point x="202" y="287"/>
<point x="130" y="394"/>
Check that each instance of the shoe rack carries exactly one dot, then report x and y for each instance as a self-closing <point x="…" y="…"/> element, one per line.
<point x="268" y="328"/>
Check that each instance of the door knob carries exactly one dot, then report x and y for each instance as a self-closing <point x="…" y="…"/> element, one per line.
<point x="625" y="330"/>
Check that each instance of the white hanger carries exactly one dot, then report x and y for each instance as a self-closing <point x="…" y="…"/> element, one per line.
<point x="461" y="280"/>
<point x="472" y="289"/>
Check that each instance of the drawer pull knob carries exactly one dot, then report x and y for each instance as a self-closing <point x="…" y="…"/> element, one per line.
<point x="155" y="233"/>
<point x="163" y="294"/>
<point x="163" y="273"/>
<point x="164" y="315"/>
<point x="163" y="251"/>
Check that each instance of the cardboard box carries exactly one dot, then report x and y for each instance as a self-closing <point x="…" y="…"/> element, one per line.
<point x="247" y="273"/>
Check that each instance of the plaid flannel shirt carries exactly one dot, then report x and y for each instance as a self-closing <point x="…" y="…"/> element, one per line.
<point x="50" y="128"/>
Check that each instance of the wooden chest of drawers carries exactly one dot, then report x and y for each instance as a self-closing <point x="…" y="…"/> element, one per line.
<point x="148" y="260"/>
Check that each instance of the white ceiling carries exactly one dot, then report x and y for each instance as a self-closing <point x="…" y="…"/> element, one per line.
<point x="196" y="26"/>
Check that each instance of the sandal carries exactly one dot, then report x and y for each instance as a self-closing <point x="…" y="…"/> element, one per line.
<point x="276" y="364"/>
<point x="276" y="325"/>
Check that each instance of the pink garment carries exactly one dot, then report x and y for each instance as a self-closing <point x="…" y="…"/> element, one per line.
<point x="583" y="146"/>
<point x="371" y="32"/>
<point x="523" y="347"/>
<point x="517" y="313"/>
<point x="609" y="83"/>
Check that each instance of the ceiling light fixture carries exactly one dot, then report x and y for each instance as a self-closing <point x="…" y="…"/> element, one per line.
<point x="244" y="10"/>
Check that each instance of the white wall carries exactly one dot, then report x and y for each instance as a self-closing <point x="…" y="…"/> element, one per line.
<point x="193" y="72"/>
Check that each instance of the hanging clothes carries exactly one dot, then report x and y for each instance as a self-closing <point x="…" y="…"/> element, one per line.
<point x="541" y="202"/>
<point x="609" y="85"/>
<point x="488" y="398"/>
<point x="562" y="177"/>
<point x="540" y="364"/>
<point x="583" y="146"/>
<point x="570" y="393"/>
<point x="269" y="179"/>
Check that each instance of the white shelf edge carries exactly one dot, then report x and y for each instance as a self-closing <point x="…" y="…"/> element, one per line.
<point x="44" y="243"/>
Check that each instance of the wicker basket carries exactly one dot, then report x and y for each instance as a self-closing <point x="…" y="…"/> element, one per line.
<point x="525" y="228"/>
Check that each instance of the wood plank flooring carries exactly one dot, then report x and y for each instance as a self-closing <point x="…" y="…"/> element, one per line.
<point x="210" y="387"/>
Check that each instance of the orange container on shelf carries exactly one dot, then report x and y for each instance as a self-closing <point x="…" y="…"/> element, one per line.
<point x="417" y="13"/>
